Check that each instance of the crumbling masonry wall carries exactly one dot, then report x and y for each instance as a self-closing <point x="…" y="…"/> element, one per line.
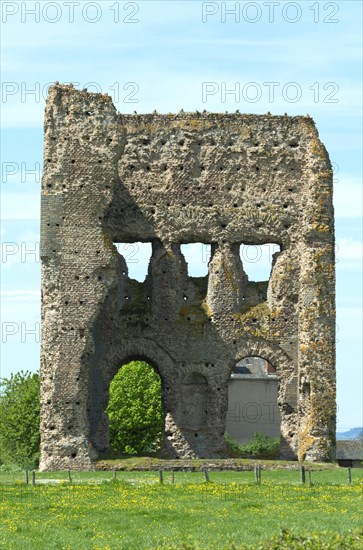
<point x="220" y="179"/>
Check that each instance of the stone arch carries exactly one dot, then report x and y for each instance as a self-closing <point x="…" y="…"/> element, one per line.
<point x="264" y="349"/>
<point x="107" y="366"/>
<point x="139" y="349"/>
<point x="287" y="386"/>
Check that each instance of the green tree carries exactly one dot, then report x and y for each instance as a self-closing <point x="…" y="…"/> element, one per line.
<point x="19" y="419"/>
<point x="135" y="409"/>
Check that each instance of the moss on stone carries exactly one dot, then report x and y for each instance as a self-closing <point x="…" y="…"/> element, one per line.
<point x="137" y="305"/>
<point x="306" y="441"/>
<point x="193" y="314"/>
<point x="255" y="320"/>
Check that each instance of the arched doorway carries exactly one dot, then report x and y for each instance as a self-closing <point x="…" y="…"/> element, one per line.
<point x="135" y="409"/>
<point x="111" y="365"/>
<point x="253" y="400"/>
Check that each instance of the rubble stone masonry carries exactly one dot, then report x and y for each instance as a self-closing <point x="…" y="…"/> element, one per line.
<point x="171" y="179"/>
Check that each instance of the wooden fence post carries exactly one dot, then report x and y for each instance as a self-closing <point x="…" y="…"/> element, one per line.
<point x="69" y="476"/>
<point x="114" y="474"/>
<point x="26" y="476"/>
<point x="309" y="476"/>
<point x="172" y="476"/>
<point x="206" y="475"/>
<point x="257" y="473"/>
<point x="302" y="474"/>
<point x="161" y="476"/>
<point x="33" y="478"/>
<point x="349" y="475"/>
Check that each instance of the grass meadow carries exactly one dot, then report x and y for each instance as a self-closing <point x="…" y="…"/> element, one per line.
<point x="136" y="511"/>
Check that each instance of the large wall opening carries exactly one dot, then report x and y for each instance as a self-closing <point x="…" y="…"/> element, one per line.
<point x="135" y="409"/>
<point x="197" y="256"/>
<point x="137" y="257"/>
<point x="257" y="260"/>
<point x="252" y="400"/>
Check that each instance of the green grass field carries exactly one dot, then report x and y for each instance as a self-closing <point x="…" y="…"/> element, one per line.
<point x="136" y="511"/>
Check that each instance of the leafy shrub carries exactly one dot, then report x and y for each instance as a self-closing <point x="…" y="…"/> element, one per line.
<point x="135" y="414"/>
<point x="9" y="468"/>
<point x="287" y="540"/>
<point x="135" y="409"/>
<point x="19" y="419"/>
<point x="260" y="446"/>
<point x="324" y="540"/>
<point x="232" y="444"/>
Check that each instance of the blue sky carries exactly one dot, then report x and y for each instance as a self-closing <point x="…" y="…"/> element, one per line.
<point x="295" y="57"/>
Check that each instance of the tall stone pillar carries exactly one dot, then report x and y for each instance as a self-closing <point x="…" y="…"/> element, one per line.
<point x="227" y="280"/>
<point x="317" y="386"/>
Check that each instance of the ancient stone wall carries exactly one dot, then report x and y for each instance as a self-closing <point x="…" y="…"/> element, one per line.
<point x="220" y="179"/>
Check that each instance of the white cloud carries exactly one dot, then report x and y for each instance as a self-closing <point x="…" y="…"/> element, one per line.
<point x="24" y="250"/>
<point x="19" y="306"/>
<point x="349" y="254"/>
<point x="349" y="249"/>
<point x="20" y="206"/>
<point x="20" y="295"/>
<point x="347" y="197"/>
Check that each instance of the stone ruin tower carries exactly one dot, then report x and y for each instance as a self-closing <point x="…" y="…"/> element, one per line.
<point x="219" y="179"/>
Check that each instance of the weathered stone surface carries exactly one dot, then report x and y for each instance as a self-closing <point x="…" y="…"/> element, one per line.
<point x="223" y="179"/>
